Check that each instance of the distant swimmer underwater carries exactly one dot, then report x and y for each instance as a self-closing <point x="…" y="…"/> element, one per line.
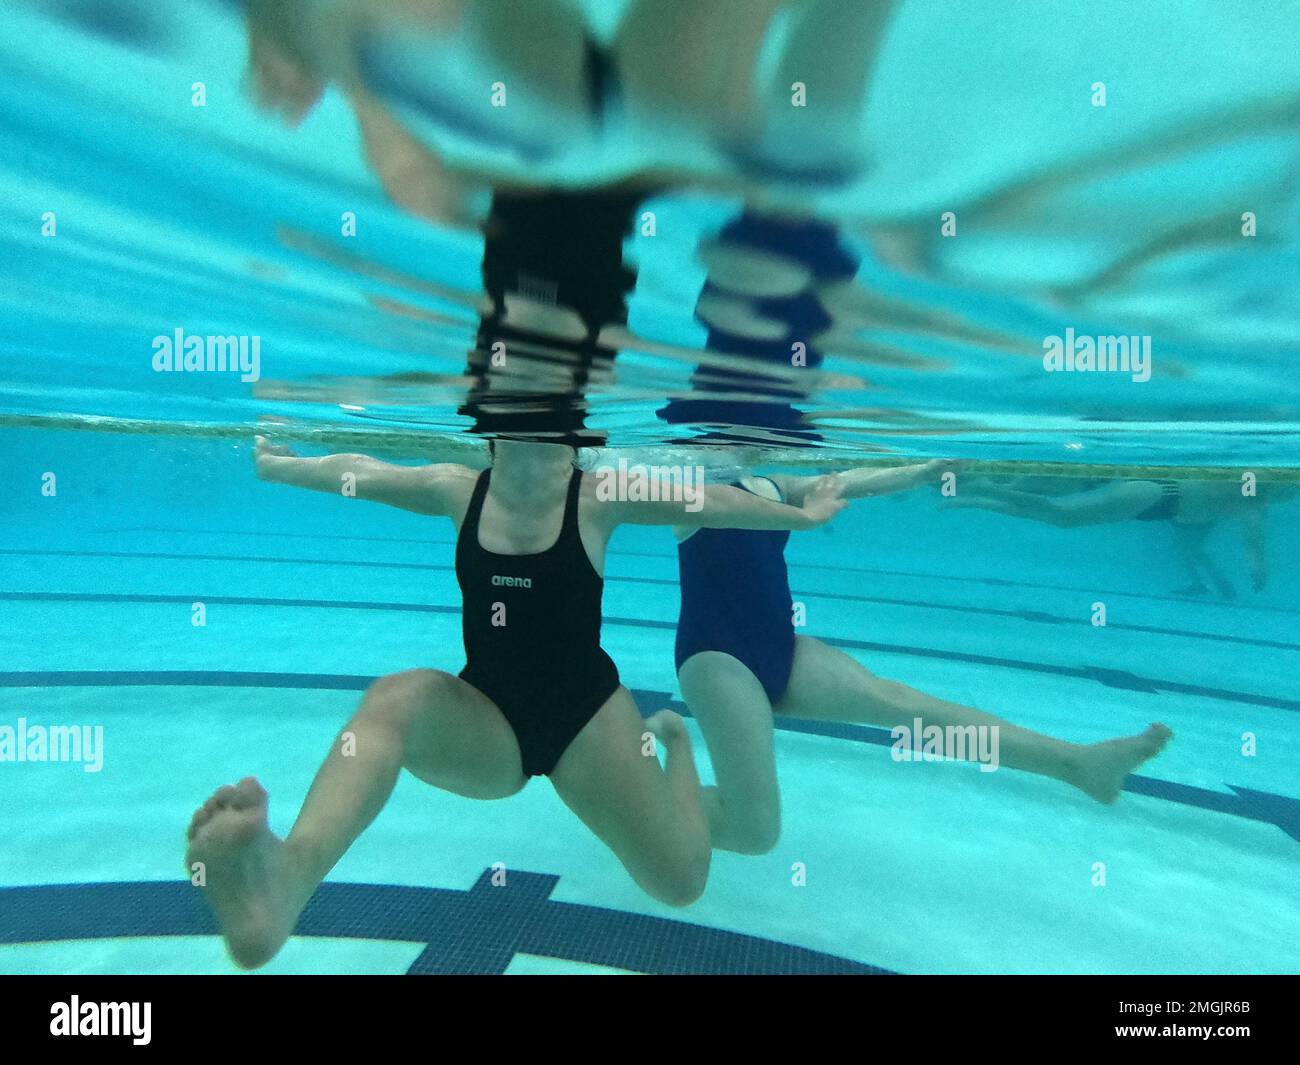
<point x="1192" y="508"/>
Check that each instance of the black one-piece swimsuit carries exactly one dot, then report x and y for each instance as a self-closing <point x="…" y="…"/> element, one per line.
<point x="531" y="625"/>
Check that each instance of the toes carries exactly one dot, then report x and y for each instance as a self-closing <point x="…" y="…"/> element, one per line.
<point x="248" y="794"/>
<point x="662" y="721"/>
<point x="202" y="816"/>
<point x="221" y="799"/>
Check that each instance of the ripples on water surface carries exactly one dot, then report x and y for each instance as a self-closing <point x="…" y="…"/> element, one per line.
<point x="1125" y="219"/>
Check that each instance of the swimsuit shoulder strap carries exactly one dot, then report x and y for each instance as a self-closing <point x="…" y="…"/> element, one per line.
<point x="570" y="527"/>
<point x="475" y="508"/>
<point x="570" y="531"/>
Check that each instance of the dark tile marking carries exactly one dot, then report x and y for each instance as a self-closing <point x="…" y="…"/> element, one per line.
<point x="1264" y="806"/>
<point x="342" y="562"/>
<point x="1092" y="673"/>
<point x="1041" y="617"/>
<point x="225" y="600"/>
<point x="1119" y="678"/>
<point x="475" y="931"/>
<point x="261" y="534"/>
<point x="986" y="611"/>
<point x="107" y="597"/>
<point x="1280" y="810"/>
<point x="794" y="563"/>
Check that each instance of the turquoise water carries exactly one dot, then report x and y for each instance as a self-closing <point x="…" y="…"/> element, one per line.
<point x="914" y="868"/>
<point x="214" y="219"/>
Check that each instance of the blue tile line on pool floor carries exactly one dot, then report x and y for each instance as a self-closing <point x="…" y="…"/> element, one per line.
<point x="475" y="931"/>
<point x="449" y="543"/>
<point x="1268" y="807"/>
<point x="1112" y="678"/>
<point x="1038" y="616"/>
<point x="1028" y="615"/>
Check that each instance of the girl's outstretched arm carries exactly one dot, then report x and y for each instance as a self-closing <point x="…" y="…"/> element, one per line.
<point x="869" y="481"/>
<point x="717" y="506"/>
<point x="422" y="489"/>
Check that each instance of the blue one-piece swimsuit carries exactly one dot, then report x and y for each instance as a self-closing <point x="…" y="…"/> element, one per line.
<point x="736" y="599"/>
<point x="735" y="587"/>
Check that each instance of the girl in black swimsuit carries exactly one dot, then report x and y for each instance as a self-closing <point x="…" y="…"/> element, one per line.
<point x="538" y="695"/>
<point x="540" y="613"/>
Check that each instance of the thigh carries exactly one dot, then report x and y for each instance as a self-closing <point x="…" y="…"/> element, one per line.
<point x="828" y="685"/>
<point x="735" y="717"/>
<point x="620" y="792"/>
<point x="456" y="738"/>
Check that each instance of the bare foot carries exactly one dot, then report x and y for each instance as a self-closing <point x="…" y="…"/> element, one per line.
<point x="247" y="876"/>
<point x="1102" y="767"/>
<point x="667" y="725"/>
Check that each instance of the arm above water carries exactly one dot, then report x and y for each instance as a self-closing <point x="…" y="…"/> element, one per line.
<point x="422" y="489"/>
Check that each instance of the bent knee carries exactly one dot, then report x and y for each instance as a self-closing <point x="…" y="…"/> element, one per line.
<point x="394" y="697"/>
<point x="683" y="880"/>
<point x="711" y="672"/>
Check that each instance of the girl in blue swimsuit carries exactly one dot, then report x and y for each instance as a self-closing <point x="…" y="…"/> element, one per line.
<point x="739" y="661"/>
<point x="738" y="657"/>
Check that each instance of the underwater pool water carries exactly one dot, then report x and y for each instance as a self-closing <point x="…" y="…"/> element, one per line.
<point x="204" y="626"/>
<point x="909" y="867"/>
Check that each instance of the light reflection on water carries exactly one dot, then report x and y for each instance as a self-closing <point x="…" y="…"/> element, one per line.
<point x="1124" y="220"/>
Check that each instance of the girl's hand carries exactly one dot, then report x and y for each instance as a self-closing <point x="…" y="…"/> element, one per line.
<point x="823" y="501"/>
<point x="265" y="454"/>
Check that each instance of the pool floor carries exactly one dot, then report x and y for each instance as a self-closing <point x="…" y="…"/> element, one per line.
<point x="900" y="867"/>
